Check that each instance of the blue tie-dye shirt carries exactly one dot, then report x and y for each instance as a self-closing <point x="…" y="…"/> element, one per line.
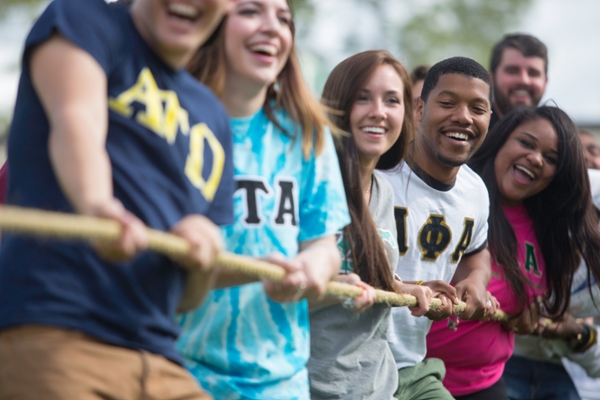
<point x="239" y="344"/>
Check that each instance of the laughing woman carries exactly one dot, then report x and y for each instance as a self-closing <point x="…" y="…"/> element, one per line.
<point x="350" y="356"/>
<point x="541" y="220"/>
<point x="241" y="344"/>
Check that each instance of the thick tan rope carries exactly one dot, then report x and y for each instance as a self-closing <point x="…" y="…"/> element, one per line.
<point x="79" y="227"/>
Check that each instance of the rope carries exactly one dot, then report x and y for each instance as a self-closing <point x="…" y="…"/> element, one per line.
<point x="80" y="227"/>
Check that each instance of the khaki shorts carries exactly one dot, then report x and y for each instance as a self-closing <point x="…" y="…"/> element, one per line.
<point x="40" y="362"/>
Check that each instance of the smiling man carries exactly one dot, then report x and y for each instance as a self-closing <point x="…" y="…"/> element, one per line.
<point x="519" y="68"/>
<point x="441" y="209"/>
<point x="108" y="123"/>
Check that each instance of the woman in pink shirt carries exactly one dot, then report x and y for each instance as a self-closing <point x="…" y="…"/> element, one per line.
<point x="541" y="219"/>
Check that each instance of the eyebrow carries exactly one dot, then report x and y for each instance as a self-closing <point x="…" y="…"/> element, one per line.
<point x="258" y="4"/>
<point x="477" y="99"/>
<point x="387" y="92"/>
<point x="537" y="140"/>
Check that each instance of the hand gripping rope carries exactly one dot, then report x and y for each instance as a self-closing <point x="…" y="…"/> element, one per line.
<point x="80" y="227"/>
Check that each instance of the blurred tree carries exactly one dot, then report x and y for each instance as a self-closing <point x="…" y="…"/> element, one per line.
<point x="426" y="31"/>
<point x="458" y="27"/>
<point x="423" y="31"/>
<point x="27" y="5"/>
<point x="303" y="8"/>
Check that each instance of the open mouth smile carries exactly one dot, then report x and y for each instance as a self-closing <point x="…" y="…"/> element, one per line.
<point x="523" y="175"/>
<point x="373" y="130"/>
<point x="183" y="11"/>
<point x="460" y="135"/>
<point x="264" y="49"/>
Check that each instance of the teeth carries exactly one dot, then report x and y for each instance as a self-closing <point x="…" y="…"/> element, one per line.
<point x="457" y="135"/>
<point x="183" y="10"/>
<point x="523" y="93"/>
<point x="373" y="129"/>
<point x="526" y="171"/>
<point x="264" y="48"/>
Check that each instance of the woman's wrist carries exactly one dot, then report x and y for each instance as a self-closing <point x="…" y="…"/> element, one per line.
<point x="582" y="341"/>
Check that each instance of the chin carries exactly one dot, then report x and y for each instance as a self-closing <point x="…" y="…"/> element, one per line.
<point x="172" y="44"/>
<point x="452" y="161"/>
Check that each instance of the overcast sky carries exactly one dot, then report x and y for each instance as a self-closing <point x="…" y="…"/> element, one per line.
<point x="570" y="29"/>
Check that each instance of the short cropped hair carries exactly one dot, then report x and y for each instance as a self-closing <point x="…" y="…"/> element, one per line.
<point x="455" y="65"/>
<point x="419" y="73"/>
<point x="528" y="45"/>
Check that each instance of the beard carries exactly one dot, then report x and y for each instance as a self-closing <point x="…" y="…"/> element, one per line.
<point x="436" y="153"/>
<point x="503" y="103"/>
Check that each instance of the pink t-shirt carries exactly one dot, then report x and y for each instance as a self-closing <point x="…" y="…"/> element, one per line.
<point x="475" y="354"/>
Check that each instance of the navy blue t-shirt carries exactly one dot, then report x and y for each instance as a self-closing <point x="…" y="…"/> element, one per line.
<point x="169" y="144"/>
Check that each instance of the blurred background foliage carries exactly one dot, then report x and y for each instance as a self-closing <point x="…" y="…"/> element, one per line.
<point x="7" y="6"/>
<point x="421" y="31"/>
<point x="473" y="25"/>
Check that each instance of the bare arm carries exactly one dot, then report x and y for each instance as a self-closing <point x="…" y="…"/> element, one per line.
<point x="205" y="242"/>
<point x="470" y="280"/>
<point x="357" y="304"/>
<point x="320" y="260"/>
<point x="72" y="88"/>
<point x="317" y="263"/>
<point x="314" y="266"/>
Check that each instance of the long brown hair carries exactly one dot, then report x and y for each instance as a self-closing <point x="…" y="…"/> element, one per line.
<point x="339" y="95"/>
<point x="564" y="217"/>
<point x="289" y="92"/>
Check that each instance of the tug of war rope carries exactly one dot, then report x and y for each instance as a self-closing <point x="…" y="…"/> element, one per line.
<point x="56" y="225"/>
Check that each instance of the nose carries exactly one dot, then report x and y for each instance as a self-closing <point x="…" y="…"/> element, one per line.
<point x="462" y="115"/>
<point x="536" y="158"/>
<point x="377" y="110"/>
<point x="270" y="23"/>
<point x="524" y="77"/>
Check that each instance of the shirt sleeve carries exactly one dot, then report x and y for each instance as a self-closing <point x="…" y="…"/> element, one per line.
<point x="221" y="208"/>
<point x="91" y="25"/>
<point x="480" y="232"/>
<point x="323" y="207"/>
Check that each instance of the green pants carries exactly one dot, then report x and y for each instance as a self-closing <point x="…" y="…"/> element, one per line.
<point x="423" y="381"/>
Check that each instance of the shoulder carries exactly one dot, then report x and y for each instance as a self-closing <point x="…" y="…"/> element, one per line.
<point x="91" y="25"/>
<point x="474" y="196"/>
<point x="467" y="178"/>
<point x="471" y="186"/>
<point x="383" y="186"/>
<point x="382" y="198"/>
<point x="395" y="174"/>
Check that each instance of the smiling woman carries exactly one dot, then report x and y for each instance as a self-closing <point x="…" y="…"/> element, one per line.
<point x="541" y="221"/>
<point x="250" y="340"/>
<point x="372" y="94"/>
<point x="527" y="162"/>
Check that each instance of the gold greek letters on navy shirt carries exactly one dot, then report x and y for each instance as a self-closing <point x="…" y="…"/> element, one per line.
<point x="165" y="117"/>
<point x="434" y="236"/>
